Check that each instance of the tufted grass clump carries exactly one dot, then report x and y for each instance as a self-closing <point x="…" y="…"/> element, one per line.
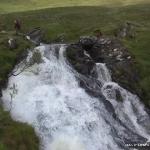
<point x="36" y="58"/>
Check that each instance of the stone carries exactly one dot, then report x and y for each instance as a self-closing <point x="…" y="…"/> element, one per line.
<point x="129" y="57"/>
<point x="12" y="43"/>
<point x="115" y="49"/>
<point x="35" y="35"/>
<point x="118" y="95"/>
<point x="111" y="52"/>
<point x="87" y="42"/>
<point x="3" y="31"/>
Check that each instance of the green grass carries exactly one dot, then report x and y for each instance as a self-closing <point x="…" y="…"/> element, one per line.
<point x="9" y="57"/>
<point x="140" y="48"/>
<point x="16" y="136"/>
<point x="13" y="135"/>
<point x="87" y="16"/>
<point x="76" y="21"/>
<point x="8" y="6"/>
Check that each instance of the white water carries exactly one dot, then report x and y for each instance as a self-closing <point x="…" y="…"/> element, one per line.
<point x="124" y="110"/>
<point x="48" y="97"/>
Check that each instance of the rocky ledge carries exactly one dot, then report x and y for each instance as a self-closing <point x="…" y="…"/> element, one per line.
<point x="109" y="50"/>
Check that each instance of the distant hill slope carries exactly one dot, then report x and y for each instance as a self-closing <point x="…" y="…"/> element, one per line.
<point x="8" y="6"/>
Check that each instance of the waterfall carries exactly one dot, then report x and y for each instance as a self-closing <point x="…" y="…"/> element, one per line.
<point x="48" y="96"/>
<point x="103" y="73"/>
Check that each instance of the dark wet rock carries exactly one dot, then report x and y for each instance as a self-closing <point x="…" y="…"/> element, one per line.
<point x="119" y="96"/>
<point x="35" y="35"/>
<point x="87" y="42"/>
<point x="129" y="139"/>
<point x="126" y="135"/>
<point x="0" y="92"/>
<point x="91" y="85"/>
<point x="81" y="62"/>
<point x="144" y="121"/>
<point x="123" y="71"/>
<point x="111" y="52"/>
<point x="93" y="88"/>
<point x="110" y="108"/>
<point x="12" y="43"/>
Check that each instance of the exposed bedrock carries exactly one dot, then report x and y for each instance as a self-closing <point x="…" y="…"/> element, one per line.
<point x="89" y="50"/>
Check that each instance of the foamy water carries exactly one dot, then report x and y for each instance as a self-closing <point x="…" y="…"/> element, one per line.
<point x="65" y="117"/>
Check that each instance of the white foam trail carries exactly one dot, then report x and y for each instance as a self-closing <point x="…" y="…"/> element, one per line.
<point x="62" y="113"/>
<point x="124" y="110"/>
<point x="66" y="143"/>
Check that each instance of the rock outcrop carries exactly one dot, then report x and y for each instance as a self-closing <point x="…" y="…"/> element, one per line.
<point x="127" y="30"/>
<point x="89" y="50"/>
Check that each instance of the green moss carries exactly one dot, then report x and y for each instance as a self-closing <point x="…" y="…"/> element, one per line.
<point x="16" y="136"/>
<point x="2" y="146"/>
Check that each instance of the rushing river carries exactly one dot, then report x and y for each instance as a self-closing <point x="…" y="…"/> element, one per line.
<point x="48" y="96"/>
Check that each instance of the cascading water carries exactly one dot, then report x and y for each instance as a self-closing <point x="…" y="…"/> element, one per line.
<point x="49" y="97"/>
<point x="125" y="109"/>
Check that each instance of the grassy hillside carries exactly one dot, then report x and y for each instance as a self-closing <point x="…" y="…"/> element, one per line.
<point x="8" y="6"/>
<point x="72" y="22"/>
<point x="13" y="135"/>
